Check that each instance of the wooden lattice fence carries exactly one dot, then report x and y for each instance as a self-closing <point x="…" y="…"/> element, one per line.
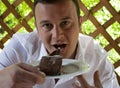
<point x="23" y="22"/>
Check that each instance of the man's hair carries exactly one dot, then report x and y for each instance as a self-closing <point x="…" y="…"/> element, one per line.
<point x="54" y="1"/>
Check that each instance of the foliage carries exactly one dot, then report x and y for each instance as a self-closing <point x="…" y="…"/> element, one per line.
<point x="11" y="1"/>
<point x="115" y="4"/>
<point x="21" y="11"/>
<point x="11" y="22"/>
<point x="102" y="15"/>
<point x="103" y="42"/>
<point x="2" y="7"/>
<point x="88" y="27"/>
<point x="113" y="56"/>
<point x="90" y="3"/>
<point x="114" y="30"/>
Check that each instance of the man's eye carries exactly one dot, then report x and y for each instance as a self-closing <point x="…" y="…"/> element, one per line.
<point x="47" y="26"/>
<point x="65" y="24"/>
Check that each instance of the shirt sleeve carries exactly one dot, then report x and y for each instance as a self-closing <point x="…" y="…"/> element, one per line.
<point x="93" y="54"/>
<point x="12" y="53"/>
<point x="106" y="70"/>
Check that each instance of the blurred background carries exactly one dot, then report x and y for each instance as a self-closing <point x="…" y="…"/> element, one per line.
<point x="101" y="20"/>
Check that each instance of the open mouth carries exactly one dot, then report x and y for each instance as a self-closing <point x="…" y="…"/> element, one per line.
<point x="60" y="46"/>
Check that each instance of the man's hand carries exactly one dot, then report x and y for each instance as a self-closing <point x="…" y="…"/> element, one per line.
<point x="84" y="83"/>
<point x="20" y="75"/>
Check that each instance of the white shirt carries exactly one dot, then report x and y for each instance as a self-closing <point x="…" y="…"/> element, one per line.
<point x="27" y="47"/>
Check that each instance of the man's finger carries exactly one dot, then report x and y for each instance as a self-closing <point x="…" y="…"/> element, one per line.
<point x="30" y="76"/>
<point x="83" y="82"/>
<point x="97" y="81"/>
<point x="29" y="72"/>
<point x="41" y="78"/>
<point x="28" y="67"/>
<point x="74" y="85"/>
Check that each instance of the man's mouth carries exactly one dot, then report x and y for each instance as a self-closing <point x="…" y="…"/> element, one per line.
<point x="60" y="46"/>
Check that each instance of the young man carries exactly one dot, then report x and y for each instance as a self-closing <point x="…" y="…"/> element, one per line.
<point x="58" y="25"/>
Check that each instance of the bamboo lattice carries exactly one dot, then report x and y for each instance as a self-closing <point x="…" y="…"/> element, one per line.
<point x="88" y="15"/>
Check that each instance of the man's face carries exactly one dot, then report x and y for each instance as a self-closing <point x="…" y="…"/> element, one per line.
<point x="58" y="27"/>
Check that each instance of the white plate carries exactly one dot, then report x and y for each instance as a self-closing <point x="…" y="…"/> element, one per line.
<point x="70" y="68"/>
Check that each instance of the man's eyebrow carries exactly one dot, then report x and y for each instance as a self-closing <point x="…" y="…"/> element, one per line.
<point x="65" y="18"/>
<point x="44" y="21"/>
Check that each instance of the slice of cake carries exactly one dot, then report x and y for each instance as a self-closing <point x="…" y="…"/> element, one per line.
<point x="51" y="65"/>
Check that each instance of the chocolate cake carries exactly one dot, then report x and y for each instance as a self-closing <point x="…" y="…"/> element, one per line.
<point x="51" y="65"/>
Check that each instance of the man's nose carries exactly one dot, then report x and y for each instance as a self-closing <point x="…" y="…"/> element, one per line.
<point x="57" y="33"/>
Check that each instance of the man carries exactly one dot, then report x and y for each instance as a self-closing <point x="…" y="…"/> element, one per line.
<point x="58" y="25"/>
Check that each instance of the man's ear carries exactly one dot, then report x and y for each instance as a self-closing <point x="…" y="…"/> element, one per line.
<point x="80" y="24"/>
<point x="35" y="24"/>
<point x="80" y="20"/>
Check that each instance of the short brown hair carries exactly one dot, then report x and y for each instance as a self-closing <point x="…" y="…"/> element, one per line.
<point x="54" y="1"/>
